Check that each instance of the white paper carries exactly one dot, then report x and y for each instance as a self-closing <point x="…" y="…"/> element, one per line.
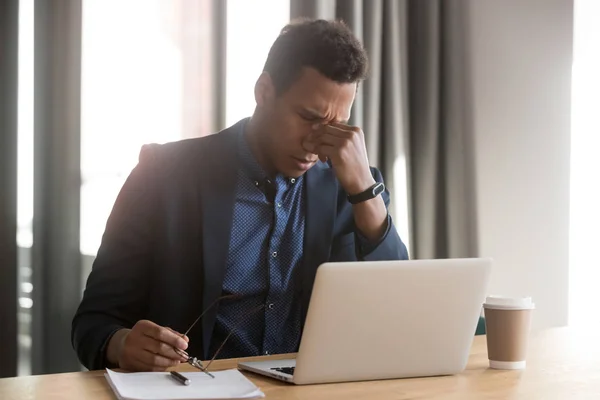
<point x="229" y="384"/>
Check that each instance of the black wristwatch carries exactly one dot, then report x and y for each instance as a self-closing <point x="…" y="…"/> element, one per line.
<point x="368" y="194"/>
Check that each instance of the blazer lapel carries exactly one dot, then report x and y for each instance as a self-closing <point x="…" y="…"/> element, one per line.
<point x="218" y="192"/>
<point x="321" y="207"/>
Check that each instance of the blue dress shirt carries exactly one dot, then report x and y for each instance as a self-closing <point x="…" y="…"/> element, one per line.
<point x="265" y="253"/>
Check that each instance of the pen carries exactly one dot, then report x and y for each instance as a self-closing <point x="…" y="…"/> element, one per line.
<point x="180" y="378"/>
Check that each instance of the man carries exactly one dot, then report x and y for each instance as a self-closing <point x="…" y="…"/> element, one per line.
<point x="248" y="213"/>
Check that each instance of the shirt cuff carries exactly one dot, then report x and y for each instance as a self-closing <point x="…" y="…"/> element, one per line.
<point x="364" y="246"/>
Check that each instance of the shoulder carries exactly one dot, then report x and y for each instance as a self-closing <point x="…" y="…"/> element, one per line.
<point x="191" y="153"/>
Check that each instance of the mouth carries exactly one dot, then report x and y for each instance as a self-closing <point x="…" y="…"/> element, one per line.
<point x="303" y="163"/>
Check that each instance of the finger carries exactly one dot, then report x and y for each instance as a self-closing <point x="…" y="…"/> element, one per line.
<point x="329" y="147"/>
<point x="344" y="127"/>
<point x="313" y="147"/>
<point x="132" y="361"/>
<point x="134" y="364"/>
<point x="185" y="337"/>
<point x="309" y="144"/>
<point x="142" y="366"/>
<point x="183" y="354"/>
<point x="164" y="335"/>
<point x="154" y="360"/>
<point x="323" y="143"/>
<point x="330" y="140"/>
<point x="325" y="152"/>
<point x="163" y="349"/>
<point x="335" y="129"/>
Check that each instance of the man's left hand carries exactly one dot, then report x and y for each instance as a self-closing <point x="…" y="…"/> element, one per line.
<point x="344" y="145"/>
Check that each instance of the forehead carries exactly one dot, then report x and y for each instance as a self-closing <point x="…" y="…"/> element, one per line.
<point x="320" y="95"/>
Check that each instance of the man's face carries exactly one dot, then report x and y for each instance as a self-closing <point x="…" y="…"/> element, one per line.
<point x="290" y="117"/>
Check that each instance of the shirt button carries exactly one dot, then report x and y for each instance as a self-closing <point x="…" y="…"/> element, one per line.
<point x="271" y="306"/>
<point x="256" y="183"/>
<point x="293" y="180"/>
<point x="278" y="204"/>
<point x="266" y="352"/>
<point x="274" y="254"/>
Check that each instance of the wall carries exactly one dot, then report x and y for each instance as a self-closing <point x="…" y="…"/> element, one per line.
<point x="520" y="61"/>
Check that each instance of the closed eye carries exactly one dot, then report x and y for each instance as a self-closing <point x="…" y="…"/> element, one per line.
<point x="310" y="118"/>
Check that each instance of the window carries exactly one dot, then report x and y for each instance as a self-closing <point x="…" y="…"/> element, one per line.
<point x="152" y="84"/>
<point x="132" y="90"/>
<point x="25" y="126"/>
<point x="25" y="182"/>
<point x="252" y="27"/>
<point x="585" y="164"/>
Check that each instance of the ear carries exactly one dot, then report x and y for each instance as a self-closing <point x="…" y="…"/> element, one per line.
<point x="264" y="90"/>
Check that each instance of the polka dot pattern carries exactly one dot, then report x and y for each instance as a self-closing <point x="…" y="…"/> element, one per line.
<point x="263" y="265"/>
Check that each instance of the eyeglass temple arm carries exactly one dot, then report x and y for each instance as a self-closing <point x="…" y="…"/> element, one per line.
<point x="231" y="333"/>
<point x="192" y="360"/>
<point x="207" y="309"/>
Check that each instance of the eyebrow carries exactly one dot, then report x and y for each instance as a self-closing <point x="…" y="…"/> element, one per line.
<point x="318" y="115"/>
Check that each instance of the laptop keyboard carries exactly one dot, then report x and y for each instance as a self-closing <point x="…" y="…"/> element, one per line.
<point x="285" y="370"/>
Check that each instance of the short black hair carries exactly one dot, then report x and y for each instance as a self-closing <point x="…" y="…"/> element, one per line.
<point x="330" y="47"/>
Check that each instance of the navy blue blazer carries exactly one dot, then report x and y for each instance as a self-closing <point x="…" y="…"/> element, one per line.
<point x="163" y="254"/>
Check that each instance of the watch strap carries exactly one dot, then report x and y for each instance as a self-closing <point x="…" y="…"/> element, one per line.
<point x="368" y="194"/>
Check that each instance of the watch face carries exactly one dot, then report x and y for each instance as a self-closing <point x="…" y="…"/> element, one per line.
<point x="378" y="189"/>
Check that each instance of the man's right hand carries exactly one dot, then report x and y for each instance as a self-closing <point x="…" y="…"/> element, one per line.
<point x="147" y="347"/>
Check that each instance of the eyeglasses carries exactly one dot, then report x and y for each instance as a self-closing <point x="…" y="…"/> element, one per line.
<point x="194" y="361"/>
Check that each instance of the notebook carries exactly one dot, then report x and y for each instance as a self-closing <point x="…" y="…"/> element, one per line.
<point x="228" y="384"/>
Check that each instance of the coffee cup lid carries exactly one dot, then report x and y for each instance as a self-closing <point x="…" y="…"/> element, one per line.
<point x="509" y="303"/>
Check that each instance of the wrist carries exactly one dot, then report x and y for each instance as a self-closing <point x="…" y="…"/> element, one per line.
<point x="371" y="218"/>
<point x="115" y="346"/>
<point x="359" y="186"/>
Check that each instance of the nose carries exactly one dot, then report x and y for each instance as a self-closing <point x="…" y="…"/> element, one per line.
<point x="309" y="146"/>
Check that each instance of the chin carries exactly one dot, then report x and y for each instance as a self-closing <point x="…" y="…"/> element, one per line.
<point x="293" y="169"/>
<point x="292" y="172"/>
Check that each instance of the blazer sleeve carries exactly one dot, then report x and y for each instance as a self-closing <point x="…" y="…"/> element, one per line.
<point x="117" y="288"/>
<point x="389" y="246"/>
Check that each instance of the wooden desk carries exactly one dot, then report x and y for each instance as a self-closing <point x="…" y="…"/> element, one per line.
<point x="562" y="364"/>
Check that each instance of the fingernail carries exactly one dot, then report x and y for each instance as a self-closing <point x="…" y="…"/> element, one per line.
<point x="179" y="352"/>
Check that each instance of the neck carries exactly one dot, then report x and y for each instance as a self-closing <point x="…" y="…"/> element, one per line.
<point x="254" y="132"/>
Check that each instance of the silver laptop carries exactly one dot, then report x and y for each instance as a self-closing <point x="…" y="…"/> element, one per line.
<point x="386" y="319"/>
